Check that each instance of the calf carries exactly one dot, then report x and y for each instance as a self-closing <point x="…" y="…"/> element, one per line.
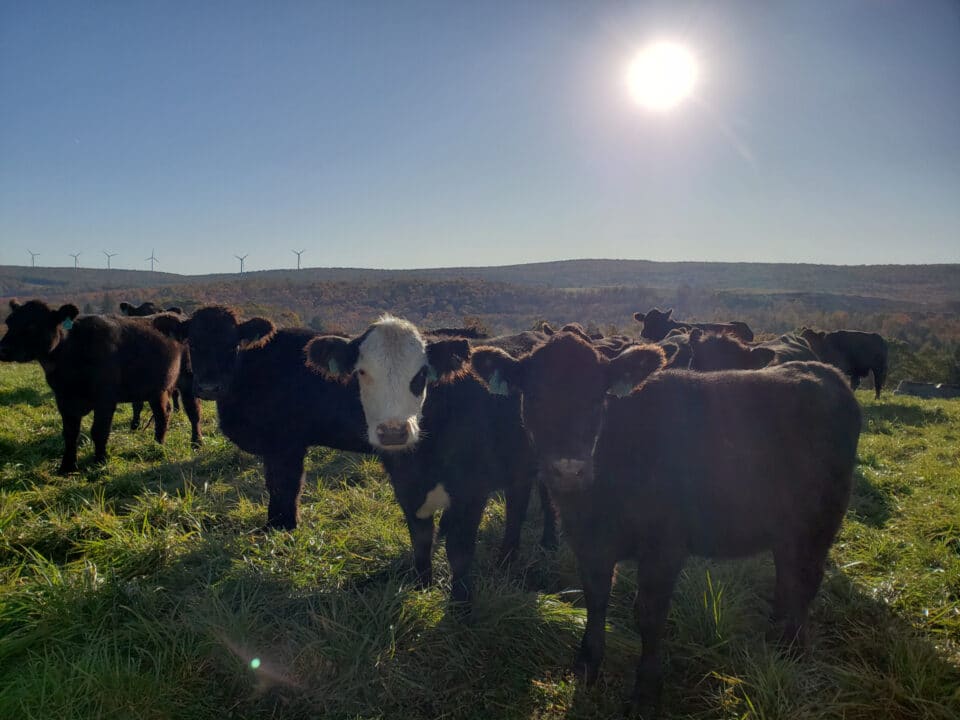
<point x="191" y="404"/>
<point x="93" y="363"/>
<point x="856" y="353"/>
<point x="718" y="464"/>
<point x="445" y="442"/>
<point x="657" y="325"/>
<point x="269" y="403"/>
<point x="725" y="352"/>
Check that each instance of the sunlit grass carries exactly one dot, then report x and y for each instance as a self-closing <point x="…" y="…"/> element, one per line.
<point x="143" y="590"/>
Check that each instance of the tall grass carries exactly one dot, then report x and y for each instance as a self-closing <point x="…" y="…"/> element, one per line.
<point x="143" y="589"/>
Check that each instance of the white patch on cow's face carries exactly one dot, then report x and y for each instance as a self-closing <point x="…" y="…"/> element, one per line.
<point x="389" y="358"/>
<point x="437" y="499"/>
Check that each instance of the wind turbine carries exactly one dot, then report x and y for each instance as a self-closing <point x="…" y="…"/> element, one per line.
<point x="241" y="258"/>
<point x="298" y="253"/>
<point x="76" y="260"/>
<point x="109" y="255"/>
<point x="152" y="259"/>
<point x="33" y="258"/>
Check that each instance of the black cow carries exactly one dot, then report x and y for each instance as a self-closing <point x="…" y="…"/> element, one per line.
<point x="445" y="442"/>
<point x="855" y="353"/>
<point x="191" y="404"/>
<point x="718" y="464"/>
<point x="269" y="403"/>
<point x="92" y="363"/>
<point x="657" y="325"/>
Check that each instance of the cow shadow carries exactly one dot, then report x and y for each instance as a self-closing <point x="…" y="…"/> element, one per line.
<point x="25" y="396"/>
<point x="877" y="417"/>
<point x="868" y="503"/>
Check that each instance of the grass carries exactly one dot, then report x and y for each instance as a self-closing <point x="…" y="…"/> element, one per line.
<point x="142" y="590"/>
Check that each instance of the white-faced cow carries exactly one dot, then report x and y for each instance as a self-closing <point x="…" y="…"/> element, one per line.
<point x="92" y="363"/>
<point x="714" y="464"/>
<point x="445" y="442"/>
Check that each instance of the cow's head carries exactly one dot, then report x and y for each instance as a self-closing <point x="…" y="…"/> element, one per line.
<point x="725" y="352"/>
<point x="394" y="366"/>
<point x="34" y="329"/>
<point x="142" y="310"/>
<point x="656" y="323"/>
<point x="216" y="335"/>
<point x="564" y="384"/>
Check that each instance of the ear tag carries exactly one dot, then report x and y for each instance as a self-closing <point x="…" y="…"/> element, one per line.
<point x="432" y="374"/>
<point x="497" y="384"/>
<point x="333" y="366"/>
<point x="67" y="324"/>
<point x="621" y="389"/>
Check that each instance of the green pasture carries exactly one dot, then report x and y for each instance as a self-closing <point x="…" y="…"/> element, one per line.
<point x="144" y="589"/>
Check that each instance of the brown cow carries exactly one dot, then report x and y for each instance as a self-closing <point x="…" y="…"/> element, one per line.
<point x="93" y="363"/>
<point x="725" y="352"/>
<point x="657" y="325"/>
<point x="720" y="464"/>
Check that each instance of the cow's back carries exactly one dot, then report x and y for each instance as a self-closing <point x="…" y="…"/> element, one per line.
<point x="732" y="460"/>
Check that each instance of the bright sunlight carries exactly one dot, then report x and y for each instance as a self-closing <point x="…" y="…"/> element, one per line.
<point x="662" y="75"/>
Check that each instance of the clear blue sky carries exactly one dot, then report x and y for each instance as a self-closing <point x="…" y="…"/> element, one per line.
<point x="416" y="134"/>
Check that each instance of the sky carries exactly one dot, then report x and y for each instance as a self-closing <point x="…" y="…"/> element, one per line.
<point x="403" y="134"/>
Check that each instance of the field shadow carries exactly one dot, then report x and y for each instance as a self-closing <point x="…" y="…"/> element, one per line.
<point x="868" y="503"/>
<point x="912" y="415"/>
<point x="25" y="396"/>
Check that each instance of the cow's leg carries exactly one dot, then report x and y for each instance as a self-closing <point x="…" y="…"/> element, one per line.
<point x="549" y="539"/>
<point x="854" y="381"/>
<point x="799" y="574"/>
<point x="284" y="476"/>
<point x="102" y="422"/>
<point x="71" y="435"/>
<point x="879" y="377"/>
<point x="517" y="501"/>
<point x="175" y="397"/>
<point x="657" y="571"/>
<point x="421" y="540"/>
<point x="137" y="406"/>
<point x="161" y="415"/>
<point x="191" y="406"/>
<point x="462" y="522"/>
<point x="596" y="574"/>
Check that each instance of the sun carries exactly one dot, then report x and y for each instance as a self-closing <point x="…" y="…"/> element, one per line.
<point x="662" y="75"/>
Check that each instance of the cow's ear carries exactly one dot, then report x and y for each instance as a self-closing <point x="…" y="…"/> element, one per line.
<point x="65" y="314"/>
<point x="501" y="373"/>
<point x="125" y="308"/>
<point x="761" y="357"/>
<point x="639" y="316"/>
<point x="669" y="350"/>
<point x="447" y="359"/>
<point x="14" y="304"/>
<point x="631" y="367"/>
<point x="175" y="309"/>
<point x="255" y="331"/>
<point x="333" y="356"/>
<point x="668" y="313"/>
<point x="172" y="326"/>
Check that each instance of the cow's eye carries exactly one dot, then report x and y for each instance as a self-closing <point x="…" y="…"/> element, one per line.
<point x="419" y="381"/>
<point x="361" y="372"/>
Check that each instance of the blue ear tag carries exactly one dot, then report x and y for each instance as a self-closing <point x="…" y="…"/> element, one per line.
<point x="431" y="374"/>
<point x="67" y="324"/>
<point x="621" y="389"/>
<point x="333" y="366"/>
<point x="497" y="384"/>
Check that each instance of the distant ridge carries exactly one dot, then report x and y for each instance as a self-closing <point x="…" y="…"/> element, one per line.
<point x="935" y="284"/>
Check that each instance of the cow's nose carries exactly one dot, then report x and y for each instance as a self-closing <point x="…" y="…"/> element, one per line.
<point x="393" y="433"/>
<point x="207" y="390"/>
<point x="569" y="468"/>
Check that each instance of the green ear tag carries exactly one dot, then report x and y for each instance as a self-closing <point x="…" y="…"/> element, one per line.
<point x="621" y="389"/>
<point x="431" y="374"/>
<point x="67" y="324"/>
<point x="498" y="385"/>
<point x="333" y="366"/>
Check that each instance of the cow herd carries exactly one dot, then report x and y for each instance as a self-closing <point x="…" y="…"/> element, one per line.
<point x="693" y="440"/>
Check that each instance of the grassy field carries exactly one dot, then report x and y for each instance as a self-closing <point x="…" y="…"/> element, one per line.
<point x="143" y="589"/>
